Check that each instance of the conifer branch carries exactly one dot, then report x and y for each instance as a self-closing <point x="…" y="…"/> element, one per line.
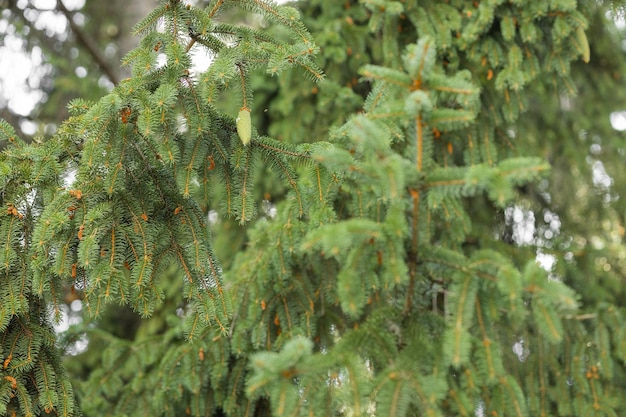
<point x="244" y="215"/>
<point x="488" y="148"/>
<point x="318" y="177"/>
<point x="292" y="182"/>
<point x="276" y="148"/>
<point x="216" y="7"/>
<point x="542" y="380"/>
<point x="388" y="75"/>
<point x="419" y="139"/>
<point x="415" y="202"/>
<point x="229" y="192"/>
<point x="244" y="94"/>
<point x="271" y="10"/>
<point x="486" y="341"/>
<point x="444" y="183"/>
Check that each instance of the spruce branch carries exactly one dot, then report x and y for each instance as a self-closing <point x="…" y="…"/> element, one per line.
<point x="216" y="8"/>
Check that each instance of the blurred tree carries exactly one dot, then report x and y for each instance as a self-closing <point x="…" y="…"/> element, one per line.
<point x="81" y="46"/>
<point x="375" y="248"/>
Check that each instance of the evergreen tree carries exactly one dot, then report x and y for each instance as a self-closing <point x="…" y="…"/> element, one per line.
<point x="324" y="221"/>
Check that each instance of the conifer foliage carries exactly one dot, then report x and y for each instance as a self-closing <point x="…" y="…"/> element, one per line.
<point x="374" y="284"/>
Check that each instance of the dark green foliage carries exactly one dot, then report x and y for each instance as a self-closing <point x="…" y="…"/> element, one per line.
<point x="356" y="266"/>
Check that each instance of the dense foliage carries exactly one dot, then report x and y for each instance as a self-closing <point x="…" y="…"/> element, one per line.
<point x="328" y="220"/>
